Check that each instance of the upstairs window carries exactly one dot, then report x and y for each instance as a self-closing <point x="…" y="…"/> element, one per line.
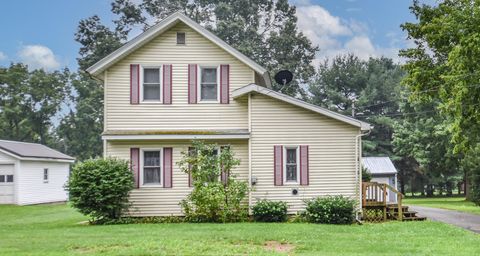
<point x="151" y="84"/>
<point x="209" y="84"/>
<point x="291" y="165"/>
<point x="181" y="38"/>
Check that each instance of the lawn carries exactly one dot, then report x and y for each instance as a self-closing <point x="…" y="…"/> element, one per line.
<point x="451" y="203"/>
<point x="55" y="230"/>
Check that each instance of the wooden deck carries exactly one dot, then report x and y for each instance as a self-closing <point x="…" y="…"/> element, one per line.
<point x="377" y="208"/>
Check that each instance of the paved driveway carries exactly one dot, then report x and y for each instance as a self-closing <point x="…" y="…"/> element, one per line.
<point x="461" y="219"/>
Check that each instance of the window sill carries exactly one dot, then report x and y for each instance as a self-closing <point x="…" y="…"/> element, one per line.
<point x="45" y="181"/>
<point x="151" y="103"/>
<point x="152" y="186"/>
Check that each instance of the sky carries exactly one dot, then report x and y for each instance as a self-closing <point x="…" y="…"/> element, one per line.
<point x="41" y="33"/>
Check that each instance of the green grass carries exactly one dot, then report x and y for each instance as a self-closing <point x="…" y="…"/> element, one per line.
<point x="55" y="230"/>
<point x="450" y="203"/>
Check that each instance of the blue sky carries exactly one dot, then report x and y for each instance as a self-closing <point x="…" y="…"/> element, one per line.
<point x="41" y="33"/>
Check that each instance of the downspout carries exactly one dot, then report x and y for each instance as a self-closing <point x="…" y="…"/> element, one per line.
<point x="250" y="154"/>
<point x="358" y="170"/>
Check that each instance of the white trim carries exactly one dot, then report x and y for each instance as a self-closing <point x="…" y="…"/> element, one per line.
<point x="175" y="137"/>
<point x="140" y="173"/>
<point x="47" y="159"/>
<point x="162" y="26"/>
<point x="160" y="70"/>
<point x="280" y="96"/>
<point x="199" y="84"/>
<point x="249" y="155"/>
<point x="297" y="152"/>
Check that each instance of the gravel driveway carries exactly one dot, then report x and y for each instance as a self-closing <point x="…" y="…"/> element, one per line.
<point x="460" y="219"/>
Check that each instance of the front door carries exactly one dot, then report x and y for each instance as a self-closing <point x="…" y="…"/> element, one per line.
<point x="6" y="184"/>
<point x="392" y="196"/>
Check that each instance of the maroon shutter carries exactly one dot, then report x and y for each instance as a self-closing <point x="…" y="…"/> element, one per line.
<point x="134" y="83"/>
<point x="167" y="167"/>
<point x="278" y="165"/>
<point x="135" y="165"/>
<point x="224" y="84"/>
<point x="167" y="84"/>
<point x="191" y="151"/>
<point x="192" y="83"/>
<point x="304" y="165"/>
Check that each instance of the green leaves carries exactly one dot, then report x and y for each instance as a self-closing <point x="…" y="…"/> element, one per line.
<point x="331" y="210"/>
<point x="213" y="199"/>
<point x="100" y="187"/>
<point x="270" y="211"/>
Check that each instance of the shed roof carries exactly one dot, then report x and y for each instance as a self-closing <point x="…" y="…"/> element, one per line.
<point x="379" y="165"/>
<point x="31" y="150"/>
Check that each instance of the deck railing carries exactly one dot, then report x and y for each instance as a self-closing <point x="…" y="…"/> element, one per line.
<point x="375" y="194"/>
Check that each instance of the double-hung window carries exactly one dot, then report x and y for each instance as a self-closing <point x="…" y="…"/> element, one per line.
<point x="151" y="85"/>
<point x="45" y="175"/>
<point x="209" y="91"/>
<point x="291" y="165"/>
<point x="151" y="167"/>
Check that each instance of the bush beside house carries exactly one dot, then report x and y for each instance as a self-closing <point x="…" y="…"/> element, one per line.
<point x="270" y="211"/>
<point x="99" y="188"/>
<point x="331" y="210"/>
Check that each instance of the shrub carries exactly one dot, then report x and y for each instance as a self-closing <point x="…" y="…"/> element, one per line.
<point x="213" y="199"/>
<point x="99" y="188"/>
<point x="331" y="210"/>
<point x="270" y="211"/>
<point x="366" y="175"/>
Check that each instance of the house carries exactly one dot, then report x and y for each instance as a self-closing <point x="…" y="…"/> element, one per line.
<point x="382" y="171"/>
<point x="32" y="173"/>
<point x="177" y="82"/>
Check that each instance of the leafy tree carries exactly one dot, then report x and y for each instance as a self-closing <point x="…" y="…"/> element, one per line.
<point x="213" y="199"/>
<point x="373" y="85"/>
<point x="81" y="129"/>
<point x="444" y="65"/>
<point x="30" y="100"/>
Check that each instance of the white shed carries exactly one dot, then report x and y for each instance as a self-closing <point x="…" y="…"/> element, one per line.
<point x="32" y="173"/>
<point x="382" y="171"/>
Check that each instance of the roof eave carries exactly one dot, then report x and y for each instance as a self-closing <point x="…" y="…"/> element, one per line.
<point x="265" y="91"/>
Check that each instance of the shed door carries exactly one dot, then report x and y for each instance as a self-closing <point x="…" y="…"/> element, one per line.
<point x="6" y="184"/>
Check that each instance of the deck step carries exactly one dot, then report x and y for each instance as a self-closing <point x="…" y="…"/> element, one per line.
<point x="415" y="218"/>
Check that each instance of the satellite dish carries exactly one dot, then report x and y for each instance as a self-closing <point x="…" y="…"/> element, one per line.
<point x="283" y="77"/>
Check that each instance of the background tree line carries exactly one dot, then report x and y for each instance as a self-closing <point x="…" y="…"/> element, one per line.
<point x="424" y="113"/>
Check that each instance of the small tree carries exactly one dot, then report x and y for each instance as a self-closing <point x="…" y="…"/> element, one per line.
<point x="366" y="175"/>
<point x="99" y="188"/>
<point x="216" y="196"/>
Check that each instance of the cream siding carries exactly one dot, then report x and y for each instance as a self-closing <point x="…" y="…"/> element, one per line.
<point x="165" y="201"/>
<point x="121" y="115"/>
<point x="331" y="151"/>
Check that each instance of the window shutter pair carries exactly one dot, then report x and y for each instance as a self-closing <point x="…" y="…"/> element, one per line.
<point x="167" y="166"/>
<point x="224" y="83"/>
<point x="278" y="165"/>
<point x="135" y="84"/>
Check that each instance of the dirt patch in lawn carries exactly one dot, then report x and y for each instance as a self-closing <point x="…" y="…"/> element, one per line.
<point x="278" y="246"/>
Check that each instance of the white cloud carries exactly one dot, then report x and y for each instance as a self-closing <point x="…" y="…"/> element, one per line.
<point x="3" y="56"/>
<point x="38" y="57"/>
<point x="335" y="35"/>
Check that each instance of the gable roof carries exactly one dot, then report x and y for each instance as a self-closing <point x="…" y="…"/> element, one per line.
<point x="379" y="165"/>
<point x="162" y="26"/>
<point x="300" y="103"/>
<point x="29" y="151"/>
